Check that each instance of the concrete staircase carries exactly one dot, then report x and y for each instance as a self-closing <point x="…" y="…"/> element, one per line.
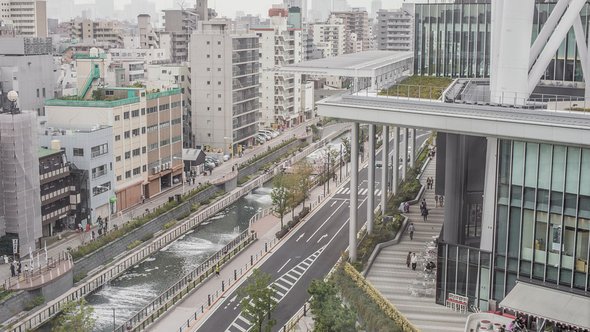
<point x="394" y="280"/>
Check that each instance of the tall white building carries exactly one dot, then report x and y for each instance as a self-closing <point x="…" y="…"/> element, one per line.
<point x="330" y="37"/>
<point x="395" y="29"/>
<point x="280" y="94"/>
<point x="28" y="17"/>
<point x="225" y="86"/>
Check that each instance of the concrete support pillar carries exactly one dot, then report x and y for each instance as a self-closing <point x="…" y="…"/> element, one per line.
<point x="384" y="168"/>
<point x="489" y="195"/>
<point x="371" y="184"/>
<point x="404" y="154"/>
<point x="395" y="162"/>
<point x="412" y="147"/>
<point x="453" y="197"/>
<point x="354" y="165"/>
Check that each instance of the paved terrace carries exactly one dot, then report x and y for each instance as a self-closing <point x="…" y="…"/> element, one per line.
<point x="571" y="127"/>
<point x="408" y="290"/>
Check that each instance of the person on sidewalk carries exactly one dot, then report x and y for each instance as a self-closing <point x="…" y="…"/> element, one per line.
<point x="435" y="200"/>
<point x="425" y="214"/>
<point x="217" y="270"/>
<point x="414" y="261"/>
<point x="19" y="268"/>
<point x="409" y="259"/>
<point x="12" y="270"/>
<point x="411" y="230"/>
<point x="441" y="200"/>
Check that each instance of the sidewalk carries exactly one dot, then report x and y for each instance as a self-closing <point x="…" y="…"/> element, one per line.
<point x="73" y="239"/>
<point x="196" y="305"/>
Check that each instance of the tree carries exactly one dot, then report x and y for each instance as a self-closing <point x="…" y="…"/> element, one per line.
<point x="347" y="148"/>
<point x="303" y="173"/>
<point x="76" y="316"/>
<point x="330" y="315"/>
<point x="280" y="196"/>
<point x="257" y="301"/>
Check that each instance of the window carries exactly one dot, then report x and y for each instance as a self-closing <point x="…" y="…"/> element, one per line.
<point x="208" y="82"/>
<point x="164" y="125"/>
<point x="218" y="109"/>
<point x="152" y="128"/>
<point x="143" y="111"/>
<point x="99" y="171"/>
<point x="127" y="134"/>
<point x="127" y="174"/>
<point x="218" y="82"/>
<point x="136" y="152"/>
<point x="208" y="43"/>
<point x="117" y="117"/>
<point x="135" y="113"/>
<point x="218" y="42"/>
<point x="99" y="150"/>
<point x="37" y="93"/>
<point x="126" y="115"/>
<point x="208" y="56"/>
<point x="135" y="132"/>
<point x="143" y="130"/>
<point x="118" y="158"/>
<point x="153" y="146"/>
<point x="43" y="92"/>
<point x="144" y="168"/>
<point x="219" y="95"/>
<point x="152" y="109"/>
<point x="218" y="56"/>
<point x="101" y="188"/>
<point x="136" y="171"/>
<point x="176" y="139"/>
<point x="144" y="149"/>
<point x="164" y="142"/>
<point x="127" y="155"/>
<point x="208" y="69"/>
<point x="218" y="69"/>
<point x="78" y="152"/>
<point x="175" y="121"/>
<point x="117" y="138"/>
<point x="119" y="178"/>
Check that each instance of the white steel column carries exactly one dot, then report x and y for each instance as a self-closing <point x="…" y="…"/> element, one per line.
<point x="412" y="147"/>
<point x="384" y="168"/>
<point x="511" y="36"/>
<point x="354" y="165"/>
<point x="371" y="184"/>
<point x="405" y="155"/>
<point x="489" y="195"/>
<point x="395" y="161"/>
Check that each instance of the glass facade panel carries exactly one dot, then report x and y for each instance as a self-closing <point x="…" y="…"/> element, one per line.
<point x="532" y="155"/>
<point x="518" y="163"/>
<point x="545" y="170"/>
<point x="572" y="170"/>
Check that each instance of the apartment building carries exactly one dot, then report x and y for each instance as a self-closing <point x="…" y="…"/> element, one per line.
<point x="148" y="38"/>
<point x="60" y="191"/>
<point x="280" y="94"/>
<point x="95" y="174"/>
<point x="28" y="17"/>
<point x="147" y="130"/>
<point x="224" y="86"/>
<point x="97" y="31"/>
<point x="330" y="37"/>
<point x="356" y="27"/>
<point x="395" y="29"/>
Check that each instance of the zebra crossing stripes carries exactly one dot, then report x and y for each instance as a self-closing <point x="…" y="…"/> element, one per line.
<point x="282" y="286"/>
<point x="361" y="192"/>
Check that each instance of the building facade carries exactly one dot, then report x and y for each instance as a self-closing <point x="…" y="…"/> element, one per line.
<point x="224" y="87"/>
<point x="330" y="37"/>
<point x="395" y="29"/>
<point x="94" y="31"/>
<point x="356" y="28"/>
<point x="280" y="94"/>
<point x="28" y="17"/>
<point x="20" y="200"/>
<point x="27" y="67"/>
<point x="147" y="129"/>
<point x="96" y="172"/>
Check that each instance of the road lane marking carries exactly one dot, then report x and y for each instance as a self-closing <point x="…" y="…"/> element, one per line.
<point x="287" y="262"/>
<point x="327" y="219"/>
<point x="321" y="238"/>
<point x="334" y="202"/>
<point x="300" y="236"/>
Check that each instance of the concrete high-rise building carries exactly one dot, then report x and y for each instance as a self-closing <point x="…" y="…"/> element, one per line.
<point x="395" y="29"/>
<point x="148" y="38"/>
<point x="101" y="32"/>
<point x="27" y="66"/>
<point x="20" y="202"/>
<point x="356" y="27"/>
<point x="280" y="94"/>
<point x="225" y="86"/>
<point x="28" y="17"/>
<point x="330" y="37"/>
<point x="179" y="25"/>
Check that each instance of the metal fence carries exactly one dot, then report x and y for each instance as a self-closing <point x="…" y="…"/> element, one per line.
<point x="35" y="277"/>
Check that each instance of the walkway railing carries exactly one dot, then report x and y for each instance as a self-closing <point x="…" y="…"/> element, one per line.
<point x="186" y="284"/>
<point x="36" y="277"/>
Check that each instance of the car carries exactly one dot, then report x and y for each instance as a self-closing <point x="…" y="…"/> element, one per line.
<point x="209" y="166"/>
<point x="260" y="138"/>
<point x="270" y="132"/>
<point x="213" y="160"/>
<point x="267" y="136"/>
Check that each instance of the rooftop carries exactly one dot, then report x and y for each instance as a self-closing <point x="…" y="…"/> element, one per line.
<point x="43" y="152"/>
<point x="132" y="97"/>
<point x="361" y="64"/>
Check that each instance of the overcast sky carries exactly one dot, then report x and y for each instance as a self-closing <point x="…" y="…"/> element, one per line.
<point x="229" y="7"/>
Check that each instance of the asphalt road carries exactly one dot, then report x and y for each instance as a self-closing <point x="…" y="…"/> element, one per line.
<point x="308" y="254"/>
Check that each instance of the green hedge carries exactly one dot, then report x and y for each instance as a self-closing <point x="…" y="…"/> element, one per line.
<point x="258" y="157"/>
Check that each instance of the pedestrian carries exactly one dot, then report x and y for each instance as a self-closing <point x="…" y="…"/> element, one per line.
<point x="425" y="214"/>
<point x="142" y="199"/>
<point x="411" y="230"/>
<point x="12" y="270"/>
<point x="423" y="203"/>
<point x="194" y="181"/>
<point x="92" y="236"/>
<point x="26" y="270"/>
<point x="441" y="200"/>
<point x="435" y="200"/>
<point x="406" y="207"/>
<point x="217" y="270"/>
<point x="106" y="224"/>
<point x="414" y="261"/>
<point x="409" y="259"/>
<point x="19" y="268"/>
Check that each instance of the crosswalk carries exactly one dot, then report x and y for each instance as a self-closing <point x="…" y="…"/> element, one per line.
<point x="282" y="286"/>
<point x="361" y="191"/>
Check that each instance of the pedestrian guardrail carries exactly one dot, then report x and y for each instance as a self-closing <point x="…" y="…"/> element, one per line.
<point x="186" y="284"/>
<point x="35" y="277"/>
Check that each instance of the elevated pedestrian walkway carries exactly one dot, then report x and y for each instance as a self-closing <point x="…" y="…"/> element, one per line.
<point x="412" y="292"/>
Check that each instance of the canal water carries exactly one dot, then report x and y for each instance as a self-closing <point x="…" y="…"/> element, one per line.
<point x="145" y="281"/>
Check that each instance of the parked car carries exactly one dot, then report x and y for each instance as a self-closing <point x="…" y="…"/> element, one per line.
<point x="268" y="137"/>
<point x="260" y="138"/>
<point x="213" y="160"/>
<point x="270" y="132"/>
<point x="209" y="166"/>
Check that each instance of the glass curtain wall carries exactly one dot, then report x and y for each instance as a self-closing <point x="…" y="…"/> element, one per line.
<point x="543" y="215"/>
<point x="453" y="40"/>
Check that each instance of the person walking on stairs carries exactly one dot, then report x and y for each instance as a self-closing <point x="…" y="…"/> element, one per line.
<point x="411" y="229"/>
<point x="414" y="261"/>
<point x="409" y="259"/>
<point x="425" y="214"/>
